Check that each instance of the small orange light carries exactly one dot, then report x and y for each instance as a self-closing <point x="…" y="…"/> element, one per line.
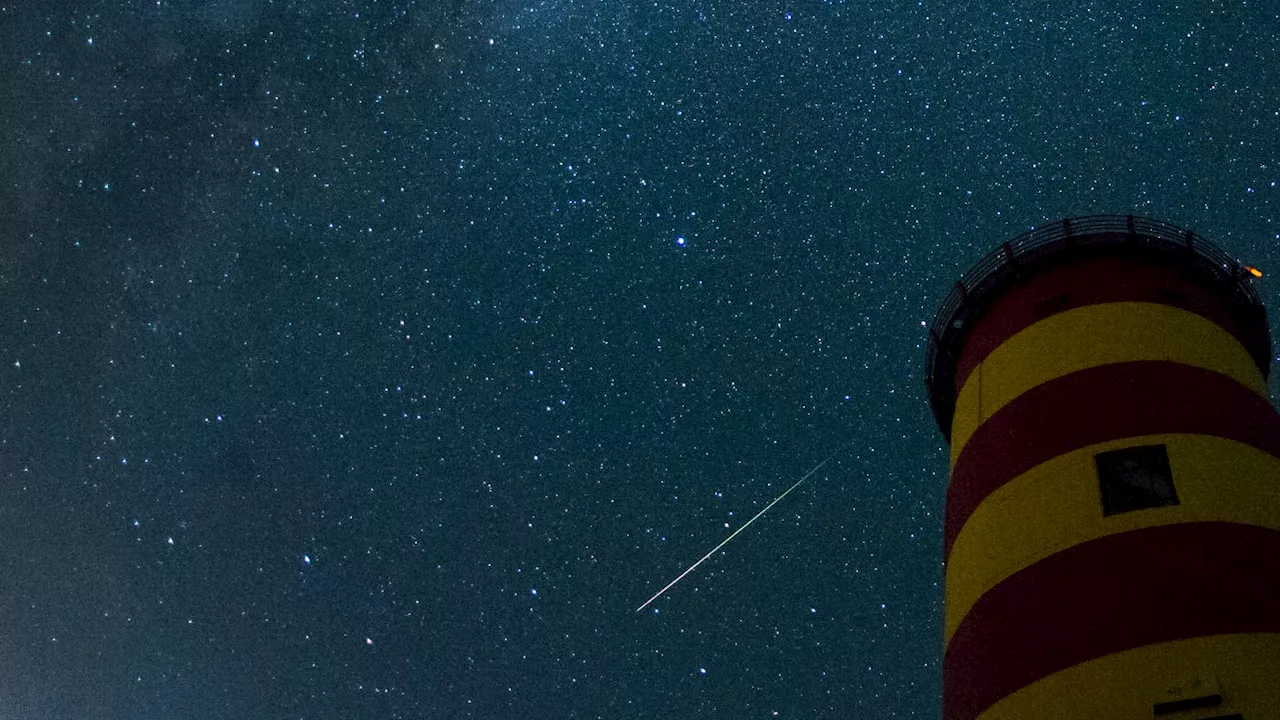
<point x="1253" y="271"/>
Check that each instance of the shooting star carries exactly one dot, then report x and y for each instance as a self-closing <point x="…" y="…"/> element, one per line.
<point x="745" y="525"/>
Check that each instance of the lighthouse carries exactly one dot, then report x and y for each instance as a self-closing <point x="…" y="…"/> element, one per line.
<point x="1112" y="525"/>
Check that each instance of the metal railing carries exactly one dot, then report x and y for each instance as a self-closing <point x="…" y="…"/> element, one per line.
<point x="1012" y="257"/>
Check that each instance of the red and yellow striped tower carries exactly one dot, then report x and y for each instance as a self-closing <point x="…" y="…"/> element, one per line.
<point x="1112" y="530"/>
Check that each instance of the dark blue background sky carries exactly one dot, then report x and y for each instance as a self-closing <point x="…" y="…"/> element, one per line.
<point x="377" y="359"/>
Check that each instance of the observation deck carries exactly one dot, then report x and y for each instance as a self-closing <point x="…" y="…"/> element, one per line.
<point x="1073" y="240"/>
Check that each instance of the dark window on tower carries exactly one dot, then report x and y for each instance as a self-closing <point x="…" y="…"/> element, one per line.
<point x="1135" y="478"/>
<point x="1191" y="703"/>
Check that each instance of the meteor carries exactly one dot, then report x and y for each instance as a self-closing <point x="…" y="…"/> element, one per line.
<point x="745" y="525"/>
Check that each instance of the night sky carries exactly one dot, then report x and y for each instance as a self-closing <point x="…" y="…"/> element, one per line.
<point x="378" y="359"/>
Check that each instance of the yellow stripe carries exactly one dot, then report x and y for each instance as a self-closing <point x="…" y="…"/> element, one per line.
<point x="1057" y="505"/>
<point x="1090" y="336"/>
<point x="1122" y="686"/>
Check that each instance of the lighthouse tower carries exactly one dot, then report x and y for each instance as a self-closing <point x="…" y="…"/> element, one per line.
<point x="1112" y="532"/>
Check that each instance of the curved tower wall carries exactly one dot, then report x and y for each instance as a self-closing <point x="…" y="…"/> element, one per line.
<point x="1112" y="531"/>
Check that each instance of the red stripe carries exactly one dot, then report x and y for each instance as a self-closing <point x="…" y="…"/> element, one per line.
<point x="1088" y="282"/>
<point x="1108" y="595"/>
<point x="1090" y="406"/>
